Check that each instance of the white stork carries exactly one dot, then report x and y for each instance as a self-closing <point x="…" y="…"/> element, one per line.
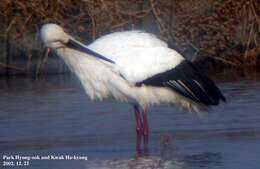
<point x="134" y="67"/>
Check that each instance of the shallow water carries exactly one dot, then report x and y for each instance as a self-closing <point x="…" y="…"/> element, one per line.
<point x="53" y="116"/>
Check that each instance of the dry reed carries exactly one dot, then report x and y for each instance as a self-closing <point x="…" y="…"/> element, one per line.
<point x="227" y="32"/>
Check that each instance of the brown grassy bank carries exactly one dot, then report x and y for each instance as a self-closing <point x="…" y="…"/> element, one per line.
<point x="216" y="34"/>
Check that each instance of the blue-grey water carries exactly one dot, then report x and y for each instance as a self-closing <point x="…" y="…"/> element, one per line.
<point x="53" y="116"/>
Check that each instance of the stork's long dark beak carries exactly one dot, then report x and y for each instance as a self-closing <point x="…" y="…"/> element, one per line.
<point x="77" y="46"/>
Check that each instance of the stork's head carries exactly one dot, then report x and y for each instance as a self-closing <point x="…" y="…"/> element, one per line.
<point x="53" y="36"/>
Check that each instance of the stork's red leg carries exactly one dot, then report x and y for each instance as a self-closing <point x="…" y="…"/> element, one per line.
<point x="145" y="131"/>
<point x="142" y="129"/>
<point x="139" y="129"/>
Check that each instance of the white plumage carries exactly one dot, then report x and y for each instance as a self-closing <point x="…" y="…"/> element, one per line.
<point x="136" y="56"/>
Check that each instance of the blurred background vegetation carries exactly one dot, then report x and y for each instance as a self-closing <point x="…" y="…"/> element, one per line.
<point x="218" y="35"/>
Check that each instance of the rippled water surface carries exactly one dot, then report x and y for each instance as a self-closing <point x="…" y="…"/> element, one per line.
<point x="53" y="116"/>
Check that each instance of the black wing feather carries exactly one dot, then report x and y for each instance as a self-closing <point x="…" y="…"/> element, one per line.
<point x="189" y="82"/>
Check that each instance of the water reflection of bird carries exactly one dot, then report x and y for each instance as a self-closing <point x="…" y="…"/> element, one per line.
<point x="134" y="67"/>
<point x="167" y="147"/>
